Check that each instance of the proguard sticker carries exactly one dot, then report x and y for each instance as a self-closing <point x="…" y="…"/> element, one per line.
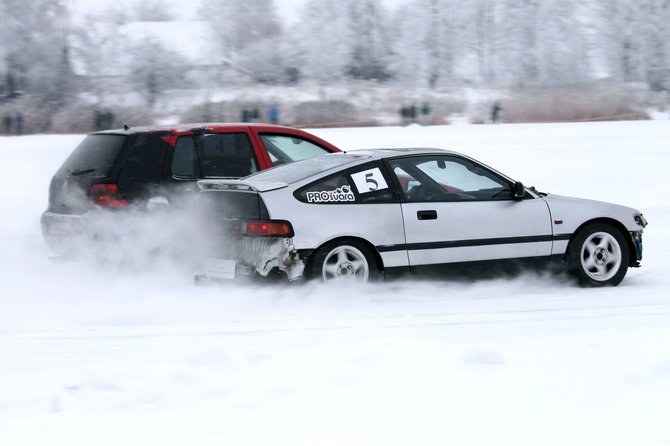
<point x="340" y="195"/>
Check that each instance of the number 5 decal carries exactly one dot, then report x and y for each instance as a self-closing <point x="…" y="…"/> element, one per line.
<point x="369" y="180"/>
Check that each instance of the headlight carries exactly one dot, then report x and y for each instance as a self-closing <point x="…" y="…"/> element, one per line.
<point x="640" y="220"/>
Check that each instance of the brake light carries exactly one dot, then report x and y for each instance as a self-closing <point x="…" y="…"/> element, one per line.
<point x="107" y="196"/>
<point x="267" y="228"/>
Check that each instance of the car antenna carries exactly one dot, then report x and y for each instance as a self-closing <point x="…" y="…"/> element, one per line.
<point x="125" y="126"/>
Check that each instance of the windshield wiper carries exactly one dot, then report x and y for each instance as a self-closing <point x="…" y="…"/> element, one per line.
<point x="76" y="172"/>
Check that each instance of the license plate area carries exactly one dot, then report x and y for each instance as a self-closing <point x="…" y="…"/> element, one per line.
<point x="221" y="268"/>
<point x="60" y="226"/>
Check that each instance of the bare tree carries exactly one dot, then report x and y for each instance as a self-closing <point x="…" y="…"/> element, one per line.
<point x="153" y="11"/>
<point x="371" y="49"/>
<point x="635" y="37"/>
<point x="324" y="40"/>
<point x="35" y="58"/>
<point x="99" y="50"/>
<point x="428" y="42"/>
<point x="485" y="28"/>
<point x="246" y="33"/>
<point x="153" y="70"/>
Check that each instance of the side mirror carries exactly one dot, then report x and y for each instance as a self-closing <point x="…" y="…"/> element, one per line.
<point x="518" y="190"/>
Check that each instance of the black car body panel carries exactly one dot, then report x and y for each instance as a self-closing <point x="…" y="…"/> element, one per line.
<point x="135" y="168"/>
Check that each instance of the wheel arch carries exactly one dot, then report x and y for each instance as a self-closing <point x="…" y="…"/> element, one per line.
<point x="344" y="238"/>
<point x="632" y="258"/>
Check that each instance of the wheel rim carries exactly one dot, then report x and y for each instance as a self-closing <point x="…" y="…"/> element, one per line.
<point x="601" y="256"/>
<point x="346" y="263"/>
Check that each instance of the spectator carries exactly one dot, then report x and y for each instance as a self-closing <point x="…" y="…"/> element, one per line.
<point x="8" y="124"/>
<point x="403" y="115"/>
<point x="273" y="114"/>
<point x="425" y="108"/>
<point x="98" y="120"/>
<point x="109" y="120"/>
<point x="495" y="112"/>
<point x="19" y="124"/>
<point x="412" y="113"/>
<point x="425" y="111"/>
<point x="103" y="120"/>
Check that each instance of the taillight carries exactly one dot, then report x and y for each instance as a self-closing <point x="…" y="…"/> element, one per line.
<point x="266" y="228"/>
<point x="107" y="196"/>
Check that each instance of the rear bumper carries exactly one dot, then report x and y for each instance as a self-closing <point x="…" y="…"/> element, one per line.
<point x="254" y="256"/>
<point x="63" y="232"/>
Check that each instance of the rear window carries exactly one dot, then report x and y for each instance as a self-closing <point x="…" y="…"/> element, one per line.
<point x="95" y="155"/>
<point x="299" y="170"/>
<point x="232" y="204"/>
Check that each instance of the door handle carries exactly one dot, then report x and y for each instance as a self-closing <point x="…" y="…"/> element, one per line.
<point x="426" y="215"/>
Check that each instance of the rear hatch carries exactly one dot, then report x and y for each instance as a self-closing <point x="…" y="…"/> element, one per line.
<point x="241" y="238"/>
<point x="224" y="210"/>
<point x="228" y="201"/>
<point x="91" y="163"/>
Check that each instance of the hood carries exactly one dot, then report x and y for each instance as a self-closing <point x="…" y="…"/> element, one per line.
<point x="573" y="212"/>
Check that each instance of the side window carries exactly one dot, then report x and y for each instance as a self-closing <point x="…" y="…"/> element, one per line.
<point x="363" y="184"/>
<point x="184" y="159"/>
<point x="226" y="155"/>
<point x="371" y="185"/>
<point x="333" y="189"/>
<point x="284" y="149"/>
<point x="214" y="155"/>
<point x="447" y="179"/>
<point x="144" y="165"/>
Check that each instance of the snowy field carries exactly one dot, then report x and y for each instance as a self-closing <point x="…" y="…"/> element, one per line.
<point x="103" y="356"/>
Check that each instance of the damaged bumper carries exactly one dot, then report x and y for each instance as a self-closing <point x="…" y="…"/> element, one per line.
<point x="254" y="256"/>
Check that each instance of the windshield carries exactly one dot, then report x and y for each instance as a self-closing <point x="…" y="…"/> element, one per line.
<point x="299" y="170"/>
<point x="284" y="148"/>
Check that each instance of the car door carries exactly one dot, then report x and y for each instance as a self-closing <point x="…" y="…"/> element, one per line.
<point x="212" y="155"/>
<point x="456" y="210"/>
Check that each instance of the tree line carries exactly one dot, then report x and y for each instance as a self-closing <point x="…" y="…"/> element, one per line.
<point x="421" y="44"/>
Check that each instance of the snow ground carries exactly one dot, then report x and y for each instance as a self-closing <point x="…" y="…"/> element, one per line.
<point x="93" y="355"/>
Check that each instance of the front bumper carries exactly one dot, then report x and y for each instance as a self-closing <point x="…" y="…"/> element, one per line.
<point x="637" y="242"/>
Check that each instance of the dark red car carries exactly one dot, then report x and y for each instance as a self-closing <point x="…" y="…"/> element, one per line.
<point x="143" y="167"/>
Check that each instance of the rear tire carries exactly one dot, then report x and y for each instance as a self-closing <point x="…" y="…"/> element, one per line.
<point x="598" y="255"/>
<point x="345" y="260"/>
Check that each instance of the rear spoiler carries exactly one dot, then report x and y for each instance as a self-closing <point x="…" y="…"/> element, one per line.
<point x="239" y="185"/>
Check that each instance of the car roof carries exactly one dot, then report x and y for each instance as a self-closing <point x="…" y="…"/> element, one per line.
<point x="289" y="174"/>
<point x="381" y="153"/>
<point x="209" y="126"/>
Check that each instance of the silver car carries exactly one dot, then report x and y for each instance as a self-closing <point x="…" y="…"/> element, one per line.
<point x="364" y="214"/>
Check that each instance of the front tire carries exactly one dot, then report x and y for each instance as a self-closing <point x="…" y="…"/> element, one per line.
<point x="598" y="256"/>
<point x="347" y="260"/>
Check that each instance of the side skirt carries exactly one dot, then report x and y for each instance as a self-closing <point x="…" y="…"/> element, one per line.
<point x="488" y="269"/>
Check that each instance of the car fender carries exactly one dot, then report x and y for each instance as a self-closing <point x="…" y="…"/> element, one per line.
<point x="569" y="214"/>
